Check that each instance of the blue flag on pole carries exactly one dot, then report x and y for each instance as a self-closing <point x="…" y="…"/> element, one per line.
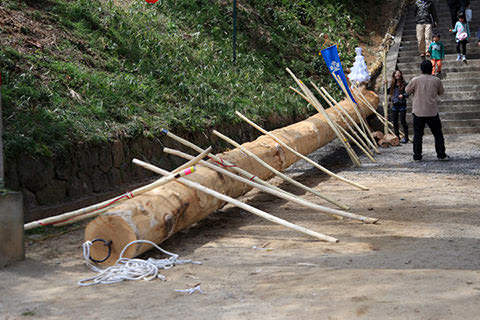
<point x="330" y="55"/>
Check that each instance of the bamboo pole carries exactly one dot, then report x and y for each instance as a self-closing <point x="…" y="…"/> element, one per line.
<point x="380" y="117"/>
<point x="320" y="109"/>
<point x="333" y="125"/>
<point x="362" y="121"/>
<point x="367" y="139"/>
<point x="345" y="132"/>
<point x="275" y="171"/>
<point x="244" y="206"/>
<point x="96" y="209"/>
<point x="288" y="197"/>
<point x="283" y="144"/>
<point x="339" y="114"/>
<point x="226" y="164"/>
<point x="331" y="102"/>
<point x="222" y="162"/>
<point x="385" y="101"/>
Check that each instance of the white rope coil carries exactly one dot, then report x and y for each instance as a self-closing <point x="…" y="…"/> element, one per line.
<point x="130" y="269"/>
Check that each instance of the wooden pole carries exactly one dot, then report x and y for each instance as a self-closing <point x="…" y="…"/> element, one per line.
<point x="385" y="101"/>
<point x="359" y="94"/>
<point x="362" y="132"/>
<point x="288" y="197"/>
<point x="361" y="120"/>
<point x="96" y="209"/>
<point x="275" y="171"/>
<point x="222" y="162"/>
<point x="341" y="113"/>
<point x="239" y="204"/>
<point x="338" y="114"/>
<point x="283" y="144"/>
<point x="316" y="104"/>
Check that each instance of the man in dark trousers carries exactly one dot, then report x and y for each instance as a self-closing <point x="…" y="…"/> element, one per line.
<point x="425" y="90"/>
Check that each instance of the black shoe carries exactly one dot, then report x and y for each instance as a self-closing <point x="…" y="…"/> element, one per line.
<point x="444" y="158"/>
<point x="404" y="140"/>
<point x="417" y="158"/>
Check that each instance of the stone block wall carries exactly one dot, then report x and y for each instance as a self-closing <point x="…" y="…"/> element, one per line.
<point x="89" y="174"/>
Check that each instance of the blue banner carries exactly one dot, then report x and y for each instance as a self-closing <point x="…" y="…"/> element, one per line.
<point x="330" y="55"/>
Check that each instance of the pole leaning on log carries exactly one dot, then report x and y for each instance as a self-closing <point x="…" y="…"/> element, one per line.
<point x="281" y="195"/>
<point x="239" y="204"/>
<point x="279" y="141"/>
<point x="159" y="213"/>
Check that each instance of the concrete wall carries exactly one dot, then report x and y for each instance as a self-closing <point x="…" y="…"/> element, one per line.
<point x="11" y="228"/>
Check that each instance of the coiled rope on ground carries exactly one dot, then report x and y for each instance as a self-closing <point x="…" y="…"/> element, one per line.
<point x="130" y="269"/>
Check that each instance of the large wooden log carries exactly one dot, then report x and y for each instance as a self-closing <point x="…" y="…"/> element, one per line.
<point x="159" y="213"/>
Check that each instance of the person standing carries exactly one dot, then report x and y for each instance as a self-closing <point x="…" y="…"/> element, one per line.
<point x="425" y="90"/>
<point x="399" y="103"/>
<point x="437" y="53"/>
<point x="462" y="33"/>
<point x="425" y="19"/>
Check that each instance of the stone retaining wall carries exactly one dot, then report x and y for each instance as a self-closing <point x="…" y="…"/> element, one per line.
<point x="90" y="174"/>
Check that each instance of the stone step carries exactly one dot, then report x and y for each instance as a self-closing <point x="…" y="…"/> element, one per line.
<point x="466" y="95"/>
<point x="460" y="103"/>
<point x="449" y="45"/>
<point x="407" y="56"/>
<point x="453" y="123"/>
<point x="442" y="27"/>
<point x="444" y="36"/>
<point x="413" y="68"/>
<point x="465" y="110"/>
<point x="449" y="130"/>
<point x="460" y="130"/>
<point x="452" y="108"/>
<point x="454" y="115"/>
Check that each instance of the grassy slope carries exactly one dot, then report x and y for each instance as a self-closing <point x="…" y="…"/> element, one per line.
<point x="131" y="70"/>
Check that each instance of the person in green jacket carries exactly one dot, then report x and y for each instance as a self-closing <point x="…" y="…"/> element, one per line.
<point x="437" y="54"/>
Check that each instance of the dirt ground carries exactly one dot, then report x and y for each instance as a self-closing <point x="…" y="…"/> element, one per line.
<point x="421" y="261"/>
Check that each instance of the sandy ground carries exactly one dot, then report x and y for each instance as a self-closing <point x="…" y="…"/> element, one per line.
<point x="422" y="261"/>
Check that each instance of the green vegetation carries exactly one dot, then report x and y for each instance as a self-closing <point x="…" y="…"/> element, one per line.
<point x="130" y="70"/>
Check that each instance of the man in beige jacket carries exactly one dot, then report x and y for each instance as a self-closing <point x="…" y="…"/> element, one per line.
<point x="425" y="90"/>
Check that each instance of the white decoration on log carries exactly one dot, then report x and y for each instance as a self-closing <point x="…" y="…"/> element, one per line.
<point x="359" y="72"/>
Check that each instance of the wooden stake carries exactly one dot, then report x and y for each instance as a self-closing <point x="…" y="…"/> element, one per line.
<point x="101" y="207"/>
<point x="282" y="195"/>
<point x="328" y="97"/>
<point x="358" y="93"/>
<point x="221" y="161"/>
<point x="339" y="114"/>
<point x="283" y="144"/>
<point x="239" y="204"/>
<point x="275" y="171"/>
<point x="316" y="104"/>
<point x="362" y="121"/>
<point x="385" y="102"/>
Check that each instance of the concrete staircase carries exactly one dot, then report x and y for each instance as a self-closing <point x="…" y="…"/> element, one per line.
<point x="460" y="105"/>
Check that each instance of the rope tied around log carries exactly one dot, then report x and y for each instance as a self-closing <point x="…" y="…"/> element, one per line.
<point x="130" y="269"/>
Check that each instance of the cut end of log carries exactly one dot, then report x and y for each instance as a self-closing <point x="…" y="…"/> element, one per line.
<point x="114" y="229"/>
